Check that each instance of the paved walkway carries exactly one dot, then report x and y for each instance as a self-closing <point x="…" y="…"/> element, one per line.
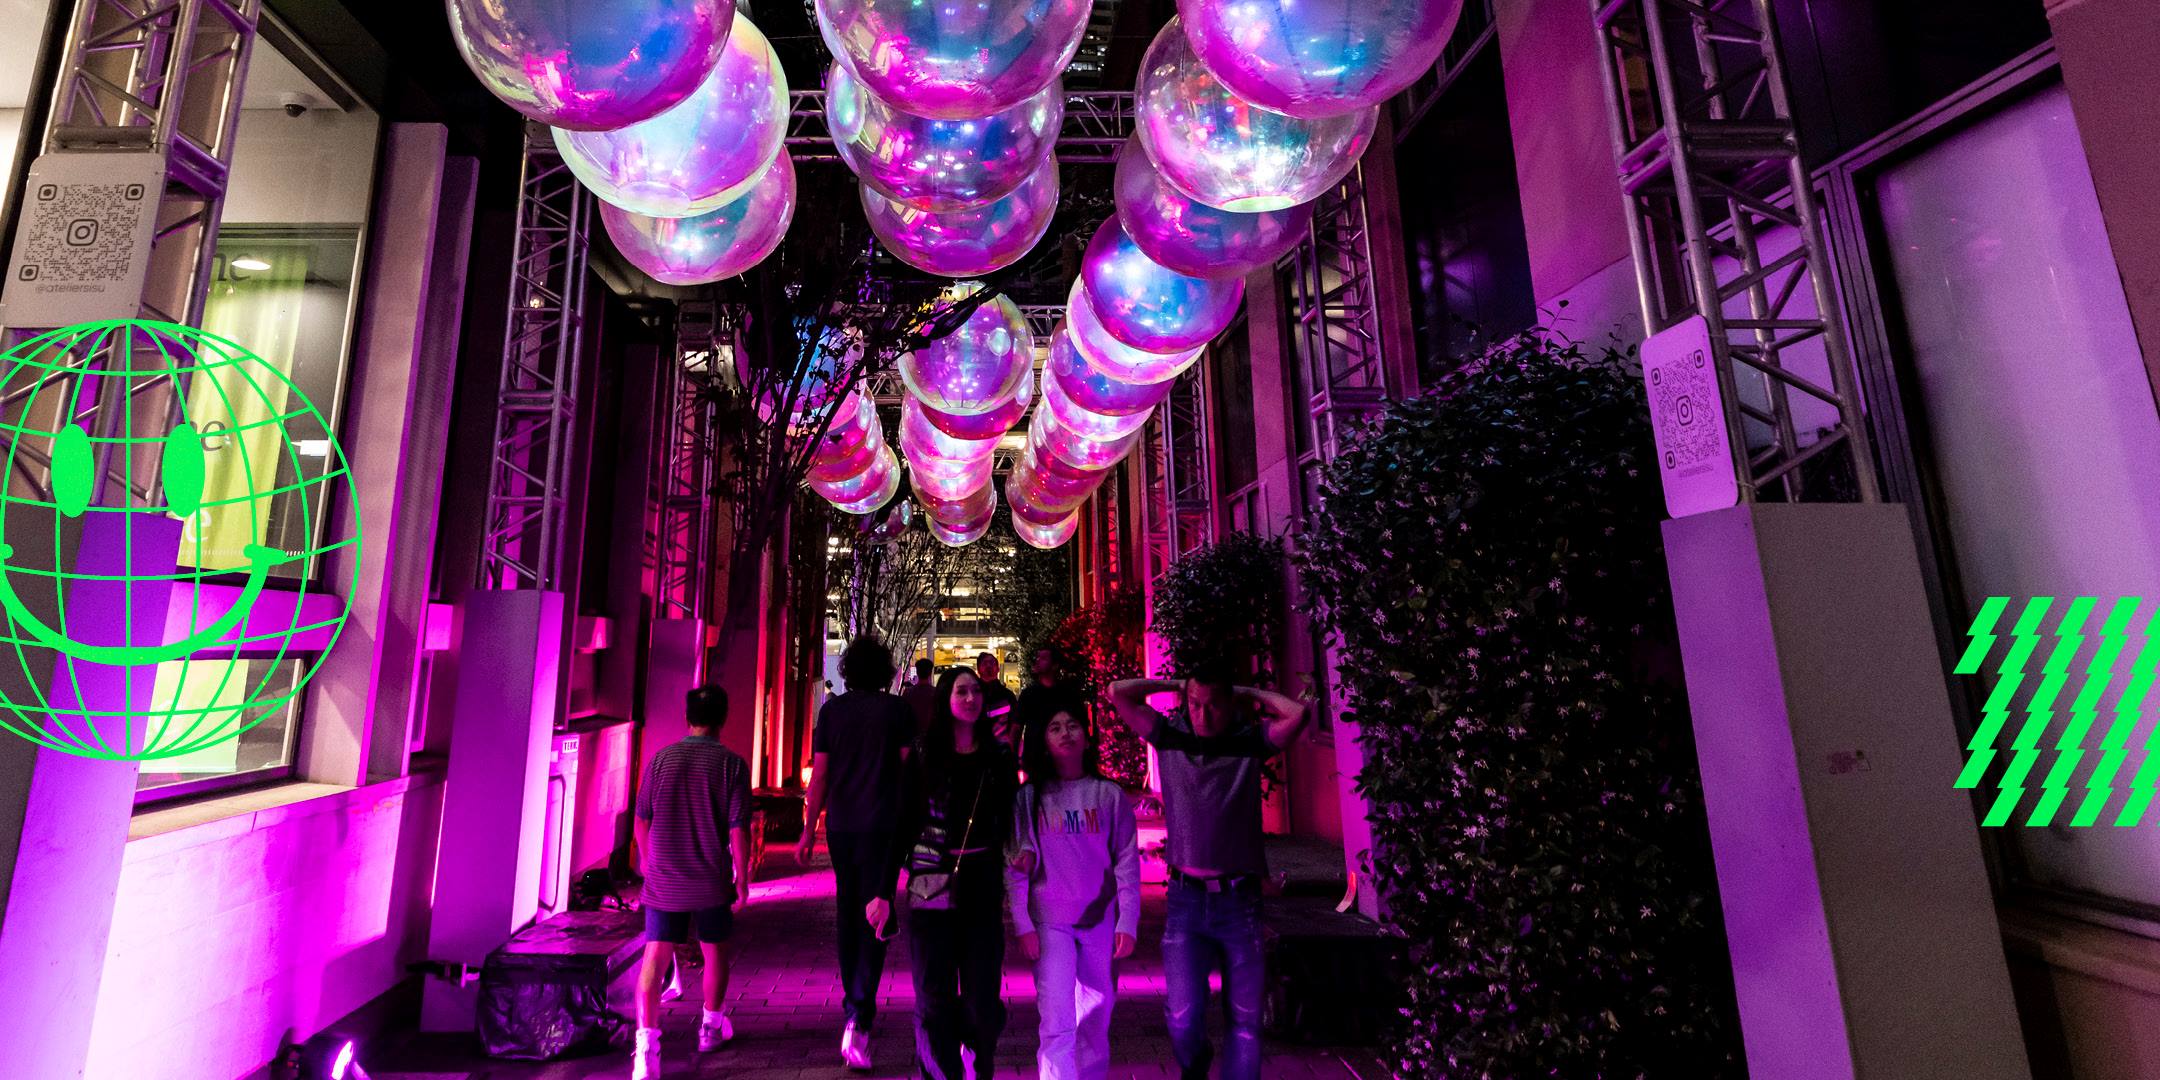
<point x="785" y="1002"/>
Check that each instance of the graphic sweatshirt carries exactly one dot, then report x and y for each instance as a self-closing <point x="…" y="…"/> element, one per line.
<point x="1087" y="856"/>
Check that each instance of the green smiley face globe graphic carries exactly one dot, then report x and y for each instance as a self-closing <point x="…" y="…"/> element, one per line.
<point x="177" y="545"/>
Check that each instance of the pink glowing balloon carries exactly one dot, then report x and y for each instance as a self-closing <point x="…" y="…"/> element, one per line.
<point x="700" y="155"/>
<point x="1091" y="389"/>
<point x="870" y="481"/>
<point x="1318" y="58"/>
<point x="1056" y="491"/>
<point x="1027" y="504"/>
<point x="976" y="368"/>
<point x="990" y="425"/>
<point x="838" y="352"/>
<point x="954" y="59"/>
<point x="1215" y="147"/>
<point x="586" y="66"/>
<point x="1113" y="358"/>
<point x="959" y="537"/>
<point x="711" y="246"/>
<point x="854" y="420"/>
<point x="1046" y="537"/>
<point x="1192" y="237"/>
<point x="939" y="165"/>
<point x="1147" y="305"/>
<point x="934" y="488"/>
<point x="1082" y="420"/>
<point x="917" y="430"/>
<point x="875" y="500"/>
<point x="964" y="512"/>
<point x="1050" y="439"/>
<point x="967" y="243"/>
<point x="846" y="462"/>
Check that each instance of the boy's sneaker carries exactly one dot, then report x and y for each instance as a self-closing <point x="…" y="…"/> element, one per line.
<point x="713" y="1032"/>
<point x="645" y="1060"/>
<point x="855" y="1048"/>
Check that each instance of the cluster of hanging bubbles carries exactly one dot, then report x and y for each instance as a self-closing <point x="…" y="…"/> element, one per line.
<point x="673" y="112"/>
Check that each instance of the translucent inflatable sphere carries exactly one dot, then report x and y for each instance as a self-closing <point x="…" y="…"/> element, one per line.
<point x="1192" y="237"/>
<point x="936" y="488"/>
<point x="1111" y="358"/>
<point x="838" y="351"/>
<point x="856" y="485"/>
<point x="867" y="493"/>
<point x="967" y="243"/>
<point x="978" y="366"/>
<point x="1051" y="441"/>
<point x="1147" y="305"/>
<point x="845" y="462"/>
<point x="1318" y="58"/>
<point x="714" y="245"/>
<point x="1220" y="149"/>
<point x="939" y="165"/>
<point x="1084" y="421"/>
<point x="1046" y="537"/>
<point x="1056" y="492"/>
<point x="916" y="430"/>
<point x="701" y="154"/>
<point x="1027" y="504"/>
<point x="1092" y="390"/>
<point x="586" y="66"/>
<point x="853" y="421"/>
<point x="990" y="425"/>
<point x="954" y="59"/>
<point x="959" y="537"/>
<point x="966" y="511"/>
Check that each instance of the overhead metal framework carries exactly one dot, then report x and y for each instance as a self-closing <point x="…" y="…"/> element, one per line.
<point x="1723" y="224"/>
<point x="536" y="395"/>
<point x="1097" y="123"/>
<point x="1334" y="319"/>
<point x="689" y="464"/>
<point x="1188" y="463"/>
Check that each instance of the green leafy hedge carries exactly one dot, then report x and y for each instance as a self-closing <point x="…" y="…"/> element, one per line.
<point x="1489" y="555"/>
<point x="1223" y="602"/>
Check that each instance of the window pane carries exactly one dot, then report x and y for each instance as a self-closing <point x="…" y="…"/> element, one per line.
<point x="198" y="704"/>
<point x="2044" y="435"/>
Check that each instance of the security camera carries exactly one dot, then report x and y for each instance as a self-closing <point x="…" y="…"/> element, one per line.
<point x="295" y="105"/>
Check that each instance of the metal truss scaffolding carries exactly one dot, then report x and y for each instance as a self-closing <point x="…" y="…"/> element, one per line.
<point x="1188" y="464"/>
<point x="1335" y="321"/>
<point x="536" y="397"/>
<point x="1096" y="125"/>
<point x="1723" y="224"/>
<point x="1152" y="462"/>
<point x="689" y="466"/>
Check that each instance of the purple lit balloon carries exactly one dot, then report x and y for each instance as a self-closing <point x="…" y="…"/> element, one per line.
<point x="845" y="462"/>
<point x="1192" y="237"/>
<point x="1050" y="439"/>
<point x="1213" y="146"/>
<point x="1027" y="504"/>
<point x="967" y="243"/>
<point x="990" y="425"/>
<point x="953" y="59"/>
<point x="966" y="511"/>
<point x="838" y="350"/>
<point x="1318" y="58"/>
<point x="935" y="488"/>
<point x="1082" y="420"/>
<point x="1113" y="358"/>
<point x="939" y="165"/>
<point x="1091" y="389"/>
<point x="1056" y="492"/>
<point x="1046" y="537"/>
<point x="1148" y="305"/>
<point x="883" y="476"/>
<point x="586" y="66"/>
<point x="977" y="367"/>
<point x="959" y="537"/>
<point x="700" y="155"/>
<point x="711" y="246"/>
<point x="870" y="503"/>
<point x="917" y="431"/>
<point x="853" y="421"/>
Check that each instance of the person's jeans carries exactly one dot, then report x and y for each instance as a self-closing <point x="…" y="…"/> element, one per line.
<point x="861" y="873"/>
<point x="1074" y="991"/>
<point x="958" y="957"/>
<point x="1205" y="930"/>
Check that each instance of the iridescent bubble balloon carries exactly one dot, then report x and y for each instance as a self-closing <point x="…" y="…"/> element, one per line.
<point x="872" y="502"/>
<point x="978" y="366"/>
<point x="1222" y="150"/>
<point x="1091" y="389"/>
<point x="1148" y="305"/>
<point x="1050" y="439"/>
<point x="939" y="165"/>
<point x="989" y="425"/>
<point x="718" y="244"/>
<point x="1056" y="491"/>
<point x="854" y="420"/>
<point x="1112" y="358"/>
<point x="700" y="155"/>
<point x="967" y="243"/>
<point x="1082" y="420"/>
<point x="1318" y="58"/>
<point x="1046" y="537"/>
<point x="917" y="431"/>
<point x="882" y="476"/>
<point x="1027" y="504"/>
<point x="837" y="352"/>
<point x="953" y="59"/>
<point x="966" y="511"/>
<point x="846" y="461"/>
<point x="936" y="488"/>
<point x="959" y="537"/>
<point x="586" y="66"/>
<point x="1192" y="237"/>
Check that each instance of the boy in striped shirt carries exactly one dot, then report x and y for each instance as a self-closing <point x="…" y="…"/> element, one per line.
<point x="693" y="829"/>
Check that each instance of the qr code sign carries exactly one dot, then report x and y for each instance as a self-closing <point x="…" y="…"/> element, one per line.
<point x="75" y="229"/>
<point x="1687" y="419"/>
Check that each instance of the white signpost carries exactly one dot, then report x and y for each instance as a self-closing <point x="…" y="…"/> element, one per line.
<point x="83" y="245"/>
<point x="1687" y="417"/>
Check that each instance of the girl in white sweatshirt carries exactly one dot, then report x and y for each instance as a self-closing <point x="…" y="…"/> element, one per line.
<point x="1075" y="895"/>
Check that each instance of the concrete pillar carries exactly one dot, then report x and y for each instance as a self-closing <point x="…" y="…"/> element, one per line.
<point x="1857" y="907"/>
<point x="2107" y="49"/>
<point x="74" y="811"/>
<point x="487" y="874"/>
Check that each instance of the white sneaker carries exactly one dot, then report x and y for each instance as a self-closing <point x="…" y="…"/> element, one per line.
<point x="855" y="1048"/>
<point x="645" y="1060"/>
<point x="713" y="1032"/>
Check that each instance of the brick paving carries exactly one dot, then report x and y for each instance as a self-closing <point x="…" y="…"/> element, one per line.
<point x="785" y="1003"/>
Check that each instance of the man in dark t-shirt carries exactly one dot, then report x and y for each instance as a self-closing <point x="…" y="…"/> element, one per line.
<point x="693" y="834"/>
<point x="921" y="695"/>
<point x="857" y="752"/>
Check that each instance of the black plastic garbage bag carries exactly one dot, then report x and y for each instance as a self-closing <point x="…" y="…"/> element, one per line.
<point x="547" y="993"/>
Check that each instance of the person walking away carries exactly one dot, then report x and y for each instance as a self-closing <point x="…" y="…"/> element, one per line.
<point x="960" y="822"/>
<point x="998" y="702"/>
<point x="921" y="696"/>
<point x="1045" y="696"/>
<point x="858" y="751"/>
<point x="693" y="834"/>
<point x="1075" y="895"/>
<point x="1208" y="754"/>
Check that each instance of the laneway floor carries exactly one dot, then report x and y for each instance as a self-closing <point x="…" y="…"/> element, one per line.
<point x="785" y="1002"/>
